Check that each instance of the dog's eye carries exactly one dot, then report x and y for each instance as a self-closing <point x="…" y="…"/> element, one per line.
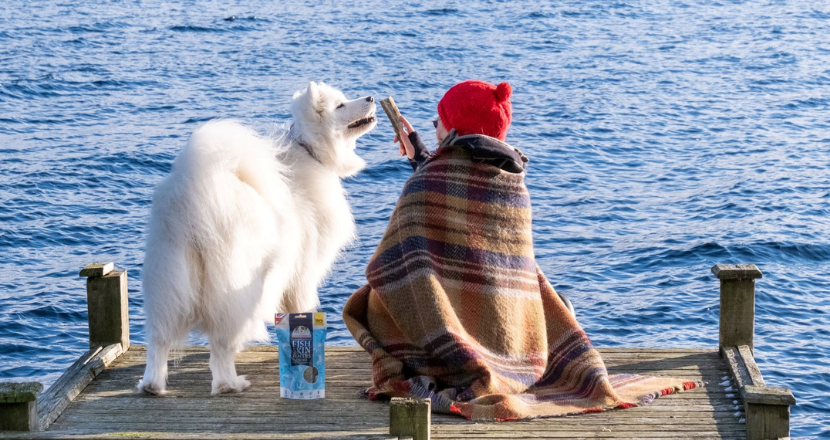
<point x="341" y="105"/>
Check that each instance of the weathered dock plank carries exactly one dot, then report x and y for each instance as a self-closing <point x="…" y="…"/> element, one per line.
<point x="109" y="406"/>
<point x="52" y="403"/>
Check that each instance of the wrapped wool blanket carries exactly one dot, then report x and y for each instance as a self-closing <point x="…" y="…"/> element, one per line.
<point x="456" y="309"/>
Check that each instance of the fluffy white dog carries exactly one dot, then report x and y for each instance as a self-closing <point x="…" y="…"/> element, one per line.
<point x="247" y="225"/>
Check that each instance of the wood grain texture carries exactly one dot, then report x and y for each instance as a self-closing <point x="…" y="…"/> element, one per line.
<point x="768" y="395"/>
<point x="738" y="368"/>
<point x="53" y="402"/>
<point x="751" y="367"/>
<point x="108" y="311"/>
<point x="736" y="271"/>
<point x="19" y="416"/>
<point x="94" y="270"/>
<point x="767" y="409"/>
<point x="110" y="407"/>
<point x="737" y="313"/>
<point x="18" y="406"/>
<point x="393" y="114"/>
<point x="410" y="418"/>
<point x="767" y="421"/>
<point x="19" y="392"/>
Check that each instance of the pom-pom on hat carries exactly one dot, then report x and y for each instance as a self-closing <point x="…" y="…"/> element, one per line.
<point x="477" y="107"/>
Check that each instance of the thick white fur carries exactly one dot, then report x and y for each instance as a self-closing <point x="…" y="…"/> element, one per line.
<point x="245" y="226"/>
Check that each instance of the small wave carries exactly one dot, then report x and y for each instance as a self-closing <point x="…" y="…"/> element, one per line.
<point x="392" y="168"/>
<point x="235" y="18"/>
<point x="42" y="88"/>
<point x="440" y="12"/>
<point x="813" y="102"/>
<point x="50" y="87"/>
<point x="730" y="59"/>
<point x="85" y="29"/>
<point x="97" y="27"/>
<point x="652" y="257"/>
<point x="573" y="13"/>
<point x="821" y="15"/>
<point x="19" y="349"/>
<point x="758" y="253"/>
<point x="192" y="28"/>
<point x="198" y="120"/>
<point x="539" y="14"/>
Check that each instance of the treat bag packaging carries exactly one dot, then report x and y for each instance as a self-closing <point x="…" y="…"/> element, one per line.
<point x="302" y="350"/>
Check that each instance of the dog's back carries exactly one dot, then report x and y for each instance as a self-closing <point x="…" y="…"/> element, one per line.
<point x="214" y="229"/>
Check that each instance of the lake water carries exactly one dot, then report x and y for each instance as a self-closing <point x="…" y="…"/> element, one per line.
<point x="664" y="137"/>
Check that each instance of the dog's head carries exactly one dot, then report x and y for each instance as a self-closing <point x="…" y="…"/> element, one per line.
<point x="330" y="124"/>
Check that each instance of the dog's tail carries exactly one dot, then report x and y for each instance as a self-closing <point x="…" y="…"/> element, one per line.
<point x="226" y="146"/>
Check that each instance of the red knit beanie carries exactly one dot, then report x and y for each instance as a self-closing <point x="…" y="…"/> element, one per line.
<point x="477" y="107"/>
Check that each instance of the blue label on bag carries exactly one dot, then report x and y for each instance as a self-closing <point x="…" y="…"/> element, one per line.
<point x="301" y="339"/>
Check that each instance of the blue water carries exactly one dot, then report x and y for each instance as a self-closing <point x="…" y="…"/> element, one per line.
<point x="664" y="137"/>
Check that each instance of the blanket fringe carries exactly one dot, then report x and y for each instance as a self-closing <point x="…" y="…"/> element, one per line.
<point x="649" y="398"/>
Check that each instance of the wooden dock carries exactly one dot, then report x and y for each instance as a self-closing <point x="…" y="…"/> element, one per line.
<point x="96" y="397"/>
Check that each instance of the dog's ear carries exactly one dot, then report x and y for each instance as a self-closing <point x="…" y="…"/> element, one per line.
<point x="314" y="98"/>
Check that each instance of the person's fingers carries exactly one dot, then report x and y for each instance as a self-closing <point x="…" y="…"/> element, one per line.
<point x="406" y="124"/>
<point x="402" y="139"/>
<point x="401" y="147"/>
<point x="410" y="150"/>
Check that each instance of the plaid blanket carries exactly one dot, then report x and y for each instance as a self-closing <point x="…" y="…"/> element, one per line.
<point x="456" y="309"/>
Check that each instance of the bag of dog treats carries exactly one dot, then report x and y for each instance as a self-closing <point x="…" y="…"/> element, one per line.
<point x="302" y="351"/>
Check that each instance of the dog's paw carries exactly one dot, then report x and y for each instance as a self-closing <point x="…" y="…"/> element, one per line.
<point x="234" y="386"/>
<point x="153" y="389"/>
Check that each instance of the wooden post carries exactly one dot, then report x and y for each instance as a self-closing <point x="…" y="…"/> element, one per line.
<point x="767" y="412"/>
<point x="767" y="408"/>
<point x="18" y="406"/>
<point x="410" y="418"/>
<point x="107" y="303"/>
<point x="737" y="304"/>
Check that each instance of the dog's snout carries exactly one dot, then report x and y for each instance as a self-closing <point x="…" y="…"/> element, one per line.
<point x="370" y="99"/>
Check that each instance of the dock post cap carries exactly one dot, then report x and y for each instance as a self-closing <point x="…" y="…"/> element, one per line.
<point x="19" y="392"/>
<point x="767" y="395"/>
<point x="96" y="270"/>
<point x="736" y="271"/>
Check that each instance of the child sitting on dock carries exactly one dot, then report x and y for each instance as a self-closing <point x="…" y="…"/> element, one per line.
<point x="456" y="308"/>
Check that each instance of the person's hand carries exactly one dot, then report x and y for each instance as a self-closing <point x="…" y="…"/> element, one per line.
<point x="404" y="145"/>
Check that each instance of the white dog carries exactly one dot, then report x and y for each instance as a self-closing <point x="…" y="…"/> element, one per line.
<point x="245" y="226"/>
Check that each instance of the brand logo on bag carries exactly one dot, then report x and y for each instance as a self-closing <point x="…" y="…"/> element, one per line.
<point x="302" y="350"/>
